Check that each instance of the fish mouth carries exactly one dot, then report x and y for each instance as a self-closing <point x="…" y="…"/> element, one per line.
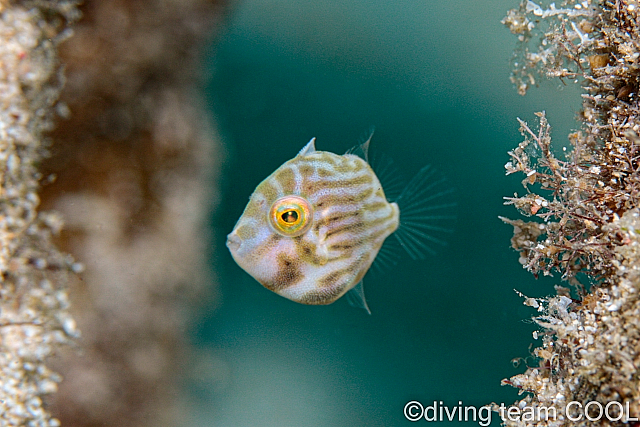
<point x="233" y="241"/>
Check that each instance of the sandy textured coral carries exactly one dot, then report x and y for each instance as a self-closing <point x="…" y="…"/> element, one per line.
<point x="34" y="308"/>
<point x="587" y="208"/>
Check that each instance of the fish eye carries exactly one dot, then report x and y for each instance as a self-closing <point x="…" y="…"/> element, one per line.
<point x="290" y="216"/>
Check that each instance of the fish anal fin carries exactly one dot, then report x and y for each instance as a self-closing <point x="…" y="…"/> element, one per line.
<point x="355" y="297"/>
<point x="387" y="256"/>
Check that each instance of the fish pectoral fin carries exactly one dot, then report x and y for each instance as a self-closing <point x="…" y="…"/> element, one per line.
<point x="322" y="254"/>
<point x="355" y="297"/>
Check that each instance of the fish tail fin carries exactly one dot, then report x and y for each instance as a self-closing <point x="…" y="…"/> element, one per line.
<point x="425" y="213"/>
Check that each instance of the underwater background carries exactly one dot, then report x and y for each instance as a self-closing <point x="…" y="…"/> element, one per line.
<point x="433" y="78"/>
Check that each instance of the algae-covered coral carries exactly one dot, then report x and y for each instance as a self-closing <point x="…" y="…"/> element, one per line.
<point x="588" y="220"/>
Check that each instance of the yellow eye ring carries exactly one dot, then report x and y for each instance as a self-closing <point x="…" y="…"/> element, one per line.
<point x="290" y="216"/>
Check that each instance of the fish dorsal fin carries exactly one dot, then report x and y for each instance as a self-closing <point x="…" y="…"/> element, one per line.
<point x="355" y="297"/>
<point x="362" y="150"/>
<point x="388" y="175"/>
<point x="364" y="147"/>
<point x="309" y="148"/>
<point x="382" y="166"/>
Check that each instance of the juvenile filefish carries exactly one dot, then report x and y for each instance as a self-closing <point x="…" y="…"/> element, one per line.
<point x="312" y="229"/>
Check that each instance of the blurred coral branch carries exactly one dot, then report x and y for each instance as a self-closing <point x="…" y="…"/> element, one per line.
<point x="132" y="169"/>
<point x="136" y="163"/>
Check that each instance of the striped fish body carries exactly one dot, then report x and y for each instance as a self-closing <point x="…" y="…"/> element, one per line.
<point x="313" y="227"/>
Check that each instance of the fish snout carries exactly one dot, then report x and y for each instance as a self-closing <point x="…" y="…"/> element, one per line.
<point x="233" y="241"/>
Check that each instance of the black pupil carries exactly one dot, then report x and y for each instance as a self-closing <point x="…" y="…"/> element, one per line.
<point x="290" y="216"/>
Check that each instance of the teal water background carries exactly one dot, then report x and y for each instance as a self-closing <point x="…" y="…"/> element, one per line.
<point x="433" y="78"/>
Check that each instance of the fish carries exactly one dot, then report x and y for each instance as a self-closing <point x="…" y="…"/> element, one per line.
<point x="312" y="229"/>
